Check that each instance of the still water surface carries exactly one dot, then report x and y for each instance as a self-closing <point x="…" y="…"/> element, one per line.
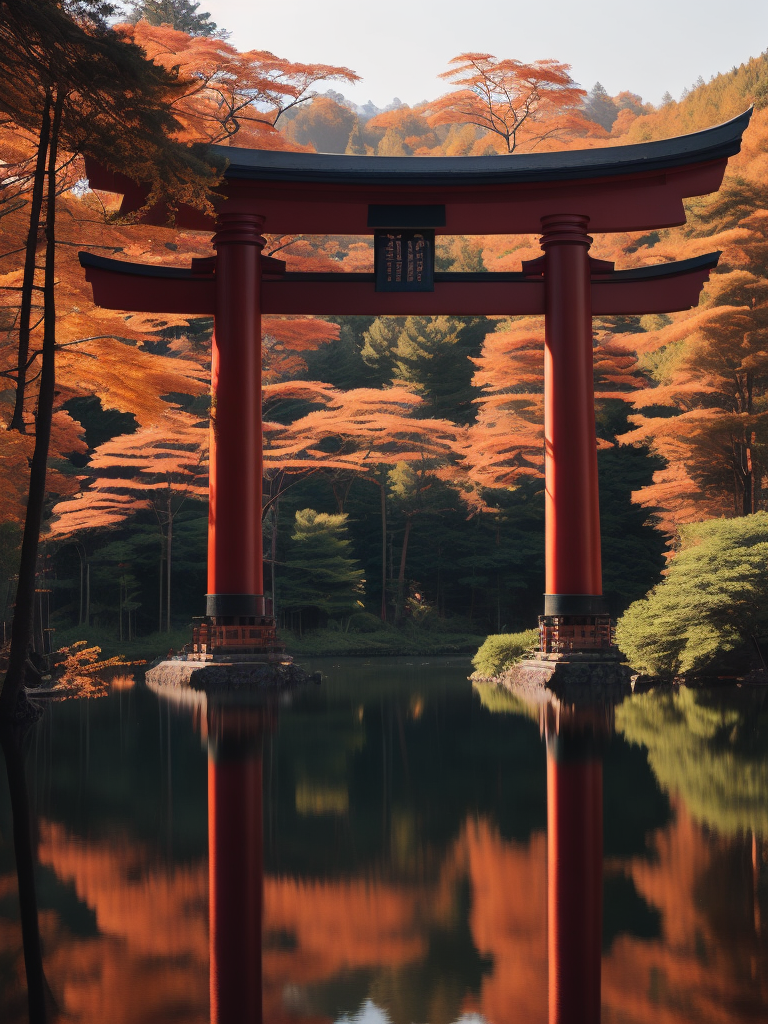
<point x="402" y="870"/>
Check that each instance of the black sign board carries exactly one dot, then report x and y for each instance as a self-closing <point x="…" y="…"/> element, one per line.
<point x="404" y="261"/>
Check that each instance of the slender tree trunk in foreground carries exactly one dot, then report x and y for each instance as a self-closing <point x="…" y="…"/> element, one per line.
<point x="274" y="556"/>
<point x="401" y="574"/>
<point x="160" y="597"/>
<point x="23" y="618"/>
<point x="25" y="872"/>
<point x="383" y="555"/>
<point x="28" y="280"/>
<point x="168" y="569"/>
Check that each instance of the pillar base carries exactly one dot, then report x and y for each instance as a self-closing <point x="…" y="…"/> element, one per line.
<point x="571" y="633"/>
<point x="575" y="604"/>
<point x="236" y="606"/>
<point x="238" y="637"/>
<point x="580" y="678"/>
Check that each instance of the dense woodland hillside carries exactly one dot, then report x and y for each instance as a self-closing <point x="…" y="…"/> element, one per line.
<point x="415" y="442"/>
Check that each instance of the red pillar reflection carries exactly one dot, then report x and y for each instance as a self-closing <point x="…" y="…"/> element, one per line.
<point x="575" y="876"/>
<point x="571" y="504"/>
<point x="235" y="864"/>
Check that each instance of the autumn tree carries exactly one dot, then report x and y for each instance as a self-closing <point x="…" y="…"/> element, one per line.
<point x="324" y="124"/>
<point x="156" y="468"/>
<point x="361" y="433"/>
<point x="707" y="413"/>
<point x="226" y="93"/>
<point x="79" y="86"/>
<point x="520" y="104"/>
<point x="401" y="131"/>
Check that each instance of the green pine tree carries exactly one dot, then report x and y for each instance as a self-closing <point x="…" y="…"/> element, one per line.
<point x="379" y="344"/>
<point x="320" y="572"/>
<point x="428" y="355"/>
<point x="180" y="14"/>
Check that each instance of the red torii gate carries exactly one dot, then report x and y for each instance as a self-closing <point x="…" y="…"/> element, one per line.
<point x="559" y="196"/>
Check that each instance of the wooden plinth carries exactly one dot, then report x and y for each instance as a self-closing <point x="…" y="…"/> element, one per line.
<point x="566" y="634"/>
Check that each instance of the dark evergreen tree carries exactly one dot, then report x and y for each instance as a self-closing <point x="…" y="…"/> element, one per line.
<point x="355" y="143"/>
<point x="179" y="14"/>
<point x="600" y="108"/>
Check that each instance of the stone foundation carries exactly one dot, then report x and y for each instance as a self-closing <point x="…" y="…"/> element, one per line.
<point x="572" y="679"/>
<point x="228" y="677"/>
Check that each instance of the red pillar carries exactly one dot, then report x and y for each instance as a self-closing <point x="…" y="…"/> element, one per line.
<point x="235" y="557"/>
<point x="573" y="569"/>
<point x="575" y="895"/>
<point x="235" y="868"/>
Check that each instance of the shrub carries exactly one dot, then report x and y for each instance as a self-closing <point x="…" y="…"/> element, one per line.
<point x="365" y="622"/>
<point x="711" y="609"/>
<point x="502" y="650"/>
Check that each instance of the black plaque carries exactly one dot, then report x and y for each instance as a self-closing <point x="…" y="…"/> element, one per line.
<point x="404" y="261"/>
<point x="389" y="216"/>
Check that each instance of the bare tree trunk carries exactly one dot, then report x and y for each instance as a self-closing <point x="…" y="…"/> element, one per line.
<point x="25" y="873"/>
<point x="401" y="574"/>
<point x="160" y="597"/>
<point x="383" y="553"/>
<point x="748" y="477"/>
<point x="274" y="555"/>
<point x="30" y="257"/>
<point x="82" y="589"/>
<point x="23" y="618"/>
<point x="169" y="539"/>
<point x="87" y="594"/>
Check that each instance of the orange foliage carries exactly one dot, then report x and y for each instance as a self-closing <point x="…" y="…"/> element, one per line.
<point x="357" y="429"/>
<point x="520" y="104"/>
<point x="131" y="471"/>
<point x="231" y="94"/>
<point x="79" y="673"/>
<point x="506" y="442"/>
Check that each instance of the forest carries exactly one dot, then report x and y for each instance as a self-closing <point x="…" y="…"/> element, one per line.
<point x="403" y="489"/>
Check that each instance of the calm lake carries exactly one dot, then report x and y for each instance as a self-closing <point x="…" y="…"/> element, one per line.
<point x="375" y="850"/>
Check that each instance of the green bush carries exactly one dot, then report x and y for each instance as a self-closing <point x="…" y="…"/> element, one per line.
<point x="365" y="622"/>
<point x="502" y="650"/>
<point x="711" y="609"/>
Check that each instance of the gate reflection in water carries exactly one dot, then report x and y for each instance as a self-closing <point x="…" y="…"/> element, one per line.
<point x="428" y="854"/>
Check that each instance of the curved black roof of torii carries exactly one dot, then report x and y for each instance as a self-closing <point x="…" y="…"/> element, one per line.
<point x="616" y="188"/>
<point x="716" y="143"/>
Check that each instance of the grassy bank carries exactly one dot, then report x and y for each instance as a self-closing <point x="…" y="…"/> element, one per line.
<point x="390" y="641"/>
<point x="143" y="648"/>
<point x="316" y="643"/>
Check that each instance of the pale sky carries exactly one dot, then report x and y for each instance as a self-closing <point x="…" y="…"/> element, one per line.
<point x="369" y="1013"/>
<point x="400" y="46"/>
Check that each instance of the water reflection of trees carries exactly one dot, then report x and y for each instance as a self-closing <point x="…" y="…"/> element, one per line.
<point x="710" y="748"/>
<point x="424" y="891"/>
